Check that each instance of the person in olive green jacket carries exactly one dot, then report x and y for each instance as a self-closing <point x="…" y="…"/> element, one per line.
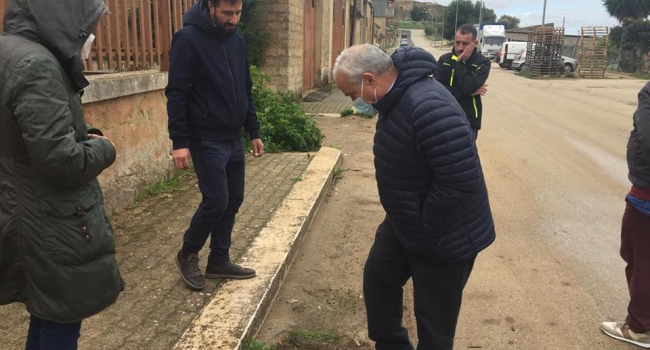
<point x="57" y="250"/>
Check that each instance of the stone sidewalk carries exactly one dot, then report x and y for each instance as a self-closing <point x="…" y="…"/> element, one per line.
<point x="157" y="308"/>
<point x="326" y="100"/>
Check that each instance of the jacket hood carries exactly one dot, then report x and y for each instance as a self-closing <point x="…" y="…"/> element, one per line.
<point x="413" y="64"/>
<point x="199" y="16"/>
<point x="62" y="26"/>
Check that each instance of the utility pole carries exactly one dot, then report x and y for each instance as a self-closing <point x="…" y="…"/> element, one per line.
<point x="544" y="14"/>
<point x="456" y="26"/>
<point x="442" y="42"/>
<point x="480" y="14"/>
<point x="563" y="21"/>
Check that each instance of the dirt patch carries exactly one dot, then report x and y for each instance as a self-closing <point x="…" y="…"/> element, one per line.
<point x="307" y="340"/>
<point x="323" y="291"/>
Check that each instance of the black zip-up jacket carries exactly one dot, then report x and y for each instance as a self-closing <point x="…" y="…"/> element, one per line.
<point x="463" y="79"/>
<point x="428" y="170"/>
<point x="638" y="146"/>
<point x="209" y="90"/>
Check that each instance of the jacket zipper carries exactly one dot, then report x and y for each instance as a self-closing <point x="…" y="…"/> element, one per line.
<point x="232" y="79"/>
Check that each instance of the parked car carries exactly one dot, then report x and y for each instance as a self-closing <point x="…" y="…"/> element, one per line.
<point x="570" y="64"/>
<point x="519" y="62"/>
<point x="404" y="42"/>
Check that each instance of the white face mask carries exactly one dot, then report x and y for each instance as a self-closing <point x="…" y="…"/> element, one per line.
<point x="85" y="50"/>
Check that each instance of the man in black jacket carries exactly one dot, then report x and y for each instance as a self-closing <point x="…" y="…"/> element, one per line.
<point x="464" y="72"/>
<point x="209" y="101"/>
<point x="635" y="232"/>
<point x="432" y="188"/>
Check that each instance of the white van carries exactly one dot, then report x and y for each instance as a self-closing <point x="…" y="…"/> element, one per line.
<point x="509" y="50"/>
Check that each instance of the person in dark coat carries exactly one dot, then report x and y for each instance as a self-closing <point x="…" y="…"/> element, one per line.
<point x="635" y="232"/>
<point x="432" y="188"/>
<point x="464" y="72"/>
<point x="209" y="101"/>
<point x="57" y="249"/>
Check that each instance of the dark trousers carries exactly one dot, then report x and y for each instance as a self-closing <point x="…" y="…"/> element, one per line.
<point x="635" y="250"/>
<point x="46" y="335"/>
<point x="220" y="168"/>
<point x="475" y="132"/>
<point x="437" y="288"/>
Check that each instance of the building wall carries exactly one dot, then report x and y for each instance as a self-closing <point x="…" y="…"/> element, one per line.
<point x="382" y="38"/>
<point x="324" y="18"/>
<point x="283" y="20"/>
<point x="130" y="108"/>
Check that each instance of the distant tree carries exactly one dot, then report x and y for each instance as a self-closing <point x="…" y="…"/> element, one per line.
<point x="419" y="14"/>
<point x="468" y="13"/>
<point x="488" y="14"/>
<point x="627" y="10"/>
<point x="511" y="22"/>
<point x="629" y="13"/>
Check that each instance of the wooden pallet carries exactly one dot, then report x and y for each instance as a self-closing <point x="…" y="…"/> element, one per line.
<point x="544" y="51"/>
<point x="592" y="59"/>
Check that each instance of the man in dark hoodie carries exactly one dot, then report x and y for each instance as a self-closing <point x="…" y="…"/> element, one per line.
<point x="635" y="232"/>
<point x="209" y="101"/>
<point x="464" y="72"/>
<point x="432" y="188"/>
<point x="57" y="249"/>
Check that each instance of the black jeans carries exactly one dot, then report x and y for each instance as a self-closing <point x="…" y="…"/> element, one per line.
<point x="220" y="168"/>
<point x="46" y="335"/>
<point x="437" y="288"/>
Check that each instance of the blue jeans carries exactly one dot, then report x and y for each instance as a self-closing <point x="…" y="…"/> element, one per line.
<point x="46" y="335"/>
<point x="220" y="168"/>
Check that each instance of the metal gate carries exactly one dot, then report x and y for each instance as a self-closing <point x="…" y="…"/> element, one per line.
<point x="338" y="30"/>
<point x="309" y="46"/>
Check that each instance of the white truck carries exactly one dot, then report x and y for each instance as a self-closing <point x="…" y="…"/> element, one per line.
<point x="490" y="39"/>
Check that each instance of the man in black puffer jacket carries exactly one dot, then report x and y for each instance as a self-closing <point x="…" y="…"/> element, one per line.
<point x="431" y="185"/>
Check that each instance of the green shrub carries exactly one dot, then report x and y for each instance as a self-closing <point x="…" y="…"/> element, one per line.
<point x="256" y="38"/>
<point x="284" y="125"/>
<point x="347" y="112"/>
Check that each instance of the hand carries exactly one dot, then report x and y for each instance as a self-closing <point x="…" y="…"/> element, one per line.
<point x="482" y="91"/>
<point x="469" y="50"/>
<point x="181" y="158"/>
<point x="258" y="147"/>
<point x="95" y="136"/>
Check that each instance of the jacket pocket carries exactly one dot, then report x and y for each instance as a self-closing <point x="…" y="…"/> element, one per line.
<point x="431" y="227"/>
<point x="76" y="228"/>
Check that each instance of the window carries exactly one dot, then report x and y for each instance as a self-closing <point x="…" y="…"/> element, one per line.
<point x="494" y="41"/>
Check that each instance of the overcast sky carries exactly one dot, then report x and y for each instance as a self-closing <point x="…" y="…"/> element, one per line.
<point x="578" y="13"/>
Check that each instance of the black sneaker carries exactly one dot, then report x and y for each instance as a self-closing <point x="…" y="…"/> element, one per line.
<point x="229" y="270"/>
<point x="188" y="265"/>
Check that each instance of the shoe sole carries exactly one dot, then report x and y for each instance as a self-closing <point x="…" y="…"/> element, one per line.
<point x="225" y="276"/>
<point x="189" y="284"/>
<point x="631" y="341"/>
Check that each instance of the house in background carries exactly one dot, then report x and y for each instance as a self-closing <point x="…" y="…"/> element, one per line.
<point x="306" y="36"/>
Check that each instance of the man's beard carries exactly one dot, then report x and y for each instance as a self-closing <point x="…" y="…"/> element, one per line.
<point x="216" y="24"/>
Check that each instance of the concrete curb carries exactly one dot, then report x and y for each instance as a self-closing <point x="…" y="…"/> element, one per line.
<point x="239" y="307"/>
<point x="324" y="115"/>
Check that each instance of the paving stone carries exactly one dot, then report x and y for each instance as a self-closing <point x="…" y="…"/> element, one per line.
<point x="335" y="102"/>
<point x="157" y="307"/>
